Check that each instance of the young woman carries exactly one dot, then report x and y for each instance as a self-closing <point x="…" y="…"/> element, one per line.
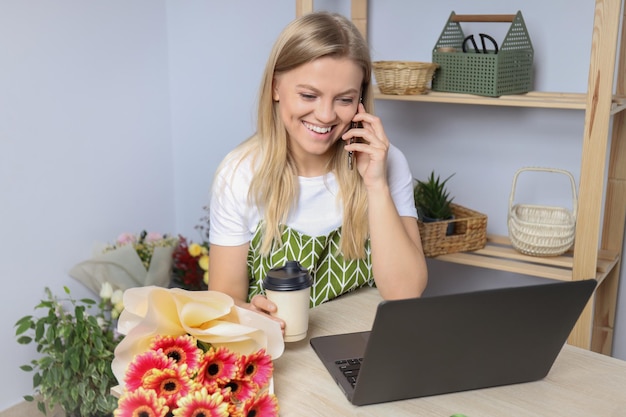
<point x="309" y="186"/>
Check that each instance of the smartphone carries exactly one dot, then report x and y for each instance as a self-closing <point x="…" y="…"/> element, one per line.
<point x="354" y="125"/>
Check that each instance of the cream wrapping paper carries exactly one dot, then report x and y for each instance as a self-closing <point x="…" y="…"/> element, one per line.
<point x="210" y="316"/>
<point x="122" y="268"/>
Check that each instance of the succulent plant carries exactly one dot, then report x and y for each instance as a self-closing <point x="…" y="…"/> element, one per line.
<point x="432" y="199"/>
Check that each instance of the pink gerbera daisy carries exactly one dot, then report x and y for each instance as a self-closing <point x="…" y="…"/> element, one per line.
<point x="257" y="367"/>
<point x="234" y="409"/>
<point x="265" y="405"/>
<point x="140" y="402"/>
<point x="201" y="403"/>
<point x="239" y="390"/>
<point x="183" y="349"/>
<point x="171" y="384"/>
<point x="218" y="366"/>
<point x="143" y="365"/>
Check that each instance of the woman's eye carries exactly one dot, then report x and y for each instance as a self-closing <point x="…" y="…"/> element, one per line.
<point x="346" y="100"/>
<point x="307" y="96"/>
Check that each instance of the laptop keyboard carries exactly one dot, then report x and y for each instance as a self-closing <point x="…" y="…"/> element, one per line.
<point x="350" y="368"/>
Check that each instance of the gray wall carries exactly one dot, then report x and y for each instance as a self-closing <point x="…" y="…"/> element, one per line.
<point x="114" y="115"/>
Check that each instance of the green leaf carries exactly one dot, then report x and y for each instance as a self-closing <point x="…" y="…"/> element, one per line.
<point x="23" y="324"/>
<point x="49" y="337"/>
<point x="22" y="328"/>
<point x="89" y="396"/>
<point x="26" y="368"/>
<point x="79" y="312"/>
<point x="75" y="390"/>
<point x="93" y="321"/>
<point x="36" y="380"/>
<point x="45" y="362"/>
<point x="75" y="363"/>
<point x="40" y="329"/>
<point x="24" y="340"/>
<point x="45" y="304"/>
<point x="98" y="344"/>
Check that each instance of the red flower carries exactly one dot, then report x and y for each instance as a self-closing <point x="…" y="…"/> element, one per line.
<point x="218" y="366"/>
<point x="256" y="367"/>
<point x="239" y="390"/>
<point x="180" y="376"/>
<point x="186" y="272"/>
<point x="182" y="349"/>
<point x="145" y="364"/>
<point x="265" y="405"/>
<point x="203" y="403"/>
<point x="141" y="402"/>
<point x="171" y="384"/>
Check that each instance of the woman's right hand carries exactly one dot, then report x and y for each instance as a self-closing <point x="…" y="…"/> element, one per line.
<point x="261" y="304"/>
<point x="229" y="274"/>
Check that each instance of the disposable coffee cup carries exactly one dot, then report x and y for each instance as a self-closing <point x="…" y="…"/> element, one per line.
<point x="289" y="287"/>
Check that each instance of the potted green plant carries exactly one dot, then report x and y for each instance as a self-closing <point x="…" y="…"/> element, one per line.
<point x="76" y="347"/>
<point x="432" y="199"/>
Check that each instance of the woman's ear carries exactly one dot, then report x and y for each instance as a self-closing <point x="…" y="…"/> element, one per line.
<point x="275" y="95"/>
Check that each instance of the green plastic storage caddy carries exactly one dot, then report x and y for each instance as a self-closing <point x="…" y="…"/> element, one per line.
<point x="485" y="72"/>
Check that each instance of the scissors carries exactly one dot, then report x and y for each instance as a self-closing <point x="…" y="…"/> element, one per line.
<point x="483" y="36"/>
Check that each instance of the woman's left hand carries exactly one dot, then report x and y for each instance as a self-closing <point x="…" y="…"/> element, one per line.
<point x="370" y="148"/>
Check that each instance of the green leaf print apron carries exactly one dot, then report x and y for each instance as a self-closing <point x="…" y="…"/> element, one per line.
<point x="332" y="274"/>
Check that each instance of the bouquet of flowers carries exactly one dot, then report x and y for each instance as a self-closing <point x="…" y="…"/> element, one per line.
<point x="182" y="376"/>
<point x="190" y="265"/>
<point x="144" y="244"/>
<point x="212" y="352"/>
<point x="132" y="261"/>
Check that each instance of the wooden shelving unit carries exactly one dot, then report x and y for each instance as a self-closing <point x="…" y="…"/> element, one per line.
<point x="533" y="99"/>
<point x="599" y="238"/>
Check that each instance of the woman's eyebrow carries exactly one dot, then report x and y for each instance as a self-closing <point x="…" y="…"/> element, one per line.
<point x="316" y="90"/>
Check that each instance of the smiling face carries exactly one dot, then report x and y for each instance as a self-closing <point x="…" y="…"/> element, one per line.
<point x="316" y="102"/>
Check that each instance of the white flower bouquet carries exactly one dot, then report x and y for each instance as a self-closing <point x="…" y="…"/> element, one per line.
<point x="132" y="261"/>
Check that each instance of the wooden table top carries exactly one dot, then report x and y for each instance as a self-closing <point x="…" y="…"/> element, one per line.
<point x="580" y="384"/>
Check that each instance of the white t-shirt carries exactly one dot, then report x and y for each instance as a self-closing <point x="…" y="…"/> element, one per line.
<point x="233" y="221"/>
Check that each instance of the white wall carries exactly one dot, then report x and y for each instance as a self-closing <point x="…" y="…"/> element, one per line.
<point x="114" y="115"/>
<point x="85" y="146"/>
<point x="217" y="54"/>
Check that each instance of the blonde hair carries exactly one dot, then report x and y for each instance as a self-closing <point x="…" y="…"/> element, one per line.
<point x="274" y="186"/>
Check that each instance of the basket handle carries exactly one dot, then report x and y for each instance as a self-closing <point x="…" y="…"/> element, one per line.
<point x="483" y="18"/>
<point x="555" y="170"/>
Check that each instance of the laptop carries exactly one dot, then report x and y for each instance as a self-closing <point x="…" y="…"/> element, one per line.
<point x="435" y="345"/>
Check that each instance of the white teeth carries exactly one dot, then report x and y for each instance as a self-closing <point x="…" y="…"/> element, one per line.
<point x="317" y="129"/>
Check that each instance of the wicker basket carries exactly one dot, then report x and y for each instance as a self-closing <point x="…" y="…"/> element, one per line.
<point x="470" y="233"/>
<point x="402" y="77"/>
<point x="542" y="230"/>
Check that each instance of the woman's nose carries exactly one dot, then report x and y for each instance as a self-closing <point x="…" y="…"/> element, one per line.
<point x="325" y="111"/>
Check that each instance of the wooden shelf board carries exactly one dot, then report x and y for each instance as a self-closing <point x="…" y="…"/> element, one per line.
<point x="533" y="99"/>
<point x="498" y="254"/>
<point x="619" y="104"/>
